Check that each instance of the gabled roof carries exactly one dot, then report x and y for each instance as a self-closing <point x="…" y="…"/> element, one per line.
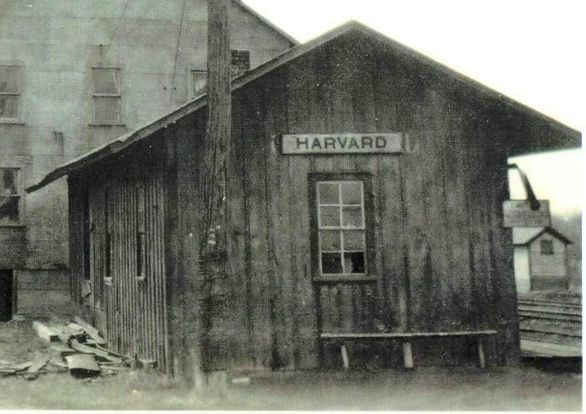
<point x="130" y="138"/>
<point x="523" y="236"/>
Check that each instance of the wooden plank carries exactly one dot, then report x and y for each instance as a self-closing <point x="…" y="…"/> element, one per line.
<point x="89" y="350"/>
<point x="45" y="333"/>
<point x="90" y="330"/>
<point x="384" y="335"/>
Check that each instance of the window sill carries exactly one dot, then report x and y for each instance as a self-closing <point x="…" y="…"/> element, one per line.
<point x="107" y="125"/>
<point x="11" y="122"/>
<point x="345" y="279"/>
<point x="18" y="226"/>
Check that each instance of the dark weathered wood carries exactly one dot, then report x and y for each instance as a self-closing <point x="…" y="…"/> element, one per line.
<point x="487" y="332"/>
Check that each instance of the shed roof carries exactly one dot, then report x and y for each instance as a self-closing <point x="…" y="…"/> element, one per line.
<point x="523" y="236"/>
<point x="136" y="135"/>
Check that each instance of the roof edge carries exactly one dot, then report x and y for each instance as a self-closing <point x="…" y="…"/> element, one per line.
<point x="279" y="60"/>
<point x="266" y="22"/>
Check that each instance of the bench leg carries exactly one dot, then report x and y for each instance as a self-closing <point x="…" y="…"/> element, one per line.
<point x="481" y="356"/>
<point x="345" y="359"/>
<point x="407" y="355"/>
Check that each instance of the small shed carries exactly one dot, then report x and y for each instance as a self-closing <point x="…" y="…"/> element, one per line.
<point x="540" y="259"/>
<point x="364" y="202"/>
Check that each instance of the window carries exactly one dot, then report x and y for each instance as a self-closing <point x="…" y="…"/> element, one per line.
<point x="546" y="247"/>
<point x="240" y="61"/>
<point x="340" y="227"/>
<point x="107" y="96"/>
<point x="9" y="196"/>
<point x="9" y="92"/>
<point x="140" y="232"/>
<point x="108" y="235"/>
<point x="199" y="82"/>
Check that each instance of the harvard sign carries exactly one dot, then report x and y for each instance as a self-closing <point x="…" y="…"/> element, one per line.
<point x="342" y="143"/>
<point x="518" y="213"/>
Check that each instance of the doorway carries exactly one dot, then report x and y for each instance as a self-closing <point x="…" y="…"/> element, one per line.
<point x="6" y="292"/>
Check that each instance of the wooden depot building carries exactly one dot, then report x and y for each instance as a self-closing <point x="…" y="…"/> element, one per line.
<point x="364" y="209"/>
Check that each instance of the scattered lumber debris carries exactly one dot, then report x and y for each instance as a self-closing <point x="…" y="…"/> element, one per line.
<point x="90" y="330"/>
<point x="76" y="347"/>
<point x="44" y="332"/>
<point x="83" y="365"/>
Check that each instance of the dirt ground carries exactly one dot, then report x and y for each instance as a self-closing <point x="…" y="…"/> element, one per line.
<point x="525" y="388"/>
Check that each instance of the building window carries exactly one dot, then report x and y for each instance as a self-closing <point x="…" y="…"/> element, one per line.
<point x="546" y="247"/>
<point x="240" y="62"/>
<point x="9" y="196"/>
<point x="9" y="92"/>
<point x="108" y="234"/>
<point x="107" y="96"/>
<point x="340" y="211"/>
<point x="199" y="82"/>
<point x="140" y="232"/>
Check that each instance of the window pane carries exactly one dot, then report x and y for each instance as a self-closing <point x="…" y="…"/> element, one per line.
<point x="107" y="110"/>
<point x="9" y="79"/>
<point x="352" y="193"/>
<point x="240" y="62"/>
<point x="106" y="81"/>
<point x="329" y="216"/>
<point x="352" y="216"/>
<point x="354" y="240"/>
<point x="8" y="106"/>
<point x="9" y="209"/>
<point x="329" y="241"/>
<point x="9" y="183"/>
<point x="199" y="80"/>
<point x="328" y="193"/>
<point x="331" y="263"/>
<point x="354" y="262"/>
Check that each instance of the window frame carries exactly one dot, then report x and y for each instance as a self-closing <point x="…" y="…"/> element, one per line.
<point x="235" y="70"/>
<point x="549" y="251"/>
<point x="191" y="83"/>
<point x="17" y="94"/>
<point x="370" y="273"/>
<point x="19" y="195"/>
<point x="96" y="96"/>
<point x="108" y="236"/>
<point x="141" y="216"/>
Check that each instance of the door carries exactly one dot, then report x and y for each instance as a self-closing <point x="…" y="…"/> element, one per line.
<point x="6" y="295"/>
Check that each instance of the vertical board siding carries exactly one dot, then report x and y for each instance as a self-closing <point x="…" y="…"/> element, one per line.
<point x="441" y="258"/>
<point x="133" y="308"/>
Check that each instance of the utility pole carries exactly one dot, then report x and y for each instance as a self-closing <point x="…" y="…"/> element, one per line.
<point x="212" y="243"/>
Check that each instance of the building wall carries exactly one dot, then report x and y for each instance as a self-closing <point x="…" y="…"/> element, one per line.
<point x="442" y="258"/>
<point x="548" y="271"/>
<point x="56" y="43"/>
<point x="522" y="269"/>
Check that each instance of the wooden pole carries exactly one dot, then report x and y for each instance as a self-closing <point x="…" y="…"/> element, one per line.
<point x="212" y="242"/>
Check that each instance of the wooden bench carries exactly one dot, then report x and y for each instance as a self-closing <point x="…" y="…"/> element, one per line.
<point x="407" y="338"/>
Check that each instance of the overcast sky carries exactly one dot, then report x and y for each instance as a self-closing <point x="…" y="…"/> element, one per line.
<point x="530" y="50"/>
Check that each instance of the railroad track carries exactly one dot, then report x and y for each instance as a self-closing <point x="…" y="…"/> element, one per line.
<point x="550" y="321"/>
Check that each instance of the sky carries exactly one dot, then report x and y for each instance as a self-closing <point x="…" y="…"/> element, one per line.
<point x="531" y="50"/>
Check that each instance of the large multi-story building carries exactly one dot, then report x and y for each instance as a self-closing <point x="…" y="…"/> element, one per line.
<point x="75" y="74"/>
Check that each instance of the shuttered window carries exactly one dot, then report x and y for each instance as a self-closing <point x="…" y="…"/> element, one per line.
<point x="9" y="196"/>
<point x="9" y="92"/>
<point x="107" y="96"/>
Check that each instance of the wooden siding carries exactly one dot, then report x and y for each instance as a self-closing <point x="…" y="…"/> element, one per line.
<point x="443" y="260"/>
<point x="128" y="309"/>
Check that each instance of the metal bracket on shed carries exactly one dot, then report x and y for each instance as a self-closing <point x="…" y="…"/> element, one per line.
<point x="533" y="202"/>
